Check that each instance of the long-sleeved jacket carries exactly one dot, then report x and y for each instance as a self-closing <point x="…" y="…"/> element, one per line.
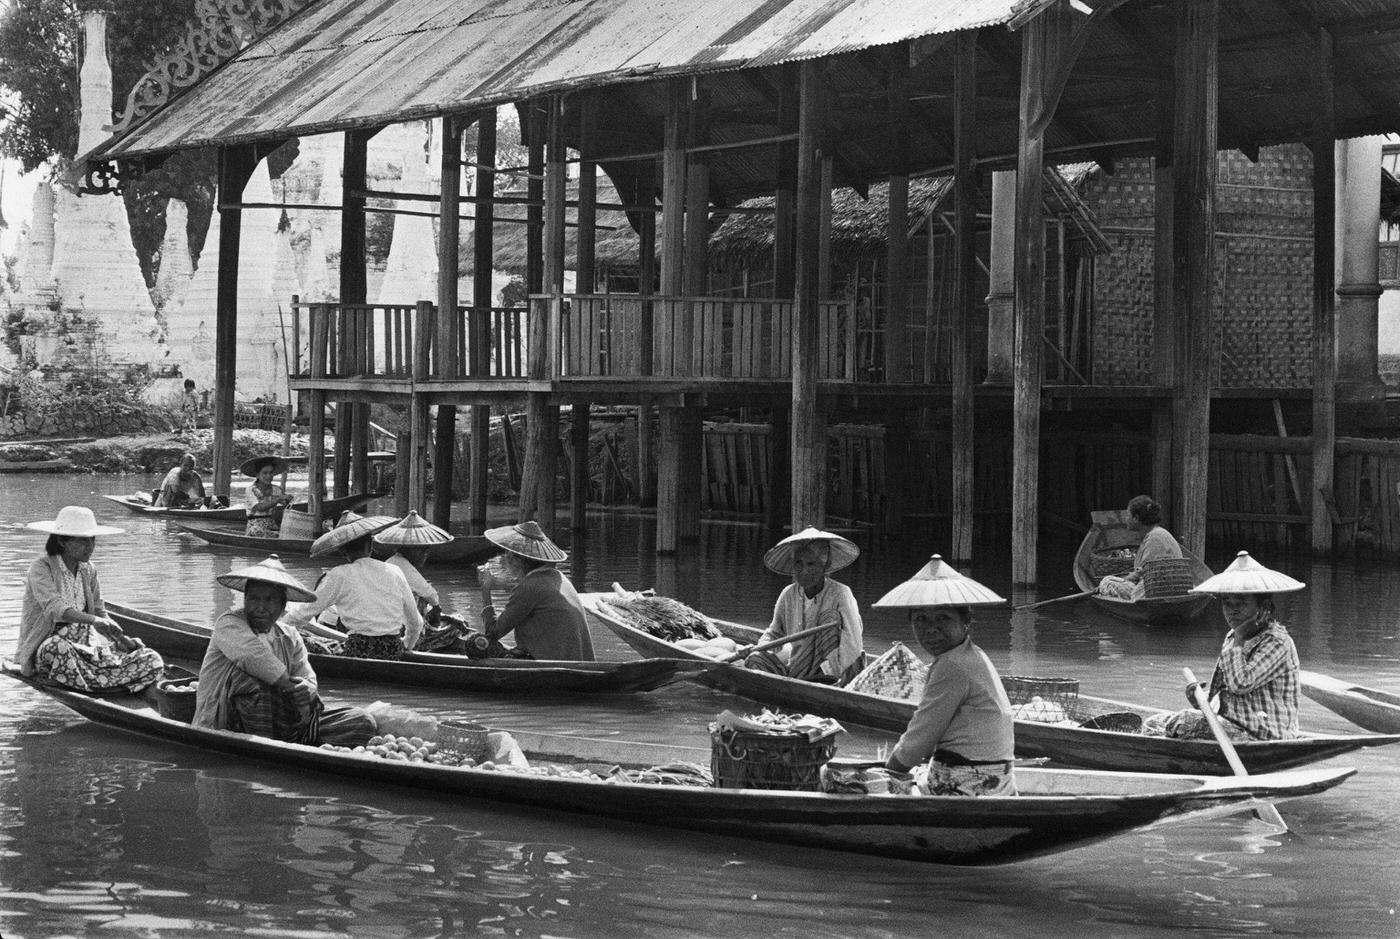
<point x="44" y="605"/>
<point x="235" y="647"/>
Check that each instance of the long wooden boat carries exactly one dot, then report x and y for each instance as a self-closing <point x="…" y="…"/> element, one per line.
<point x="1370" y="708"/>
<point x="57" y="465"/>
<point x="1110" y="531"/>
<point x="463" y="549"/>
<point x="1068" y="744"/>
<point x="330" y="508"/>
<point x="1056" y="810"/>
<point x="455" y="673"/>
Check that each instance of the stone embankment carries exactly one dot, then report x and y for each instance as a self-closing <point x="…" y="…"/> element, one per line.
<point x="152" y="453"/>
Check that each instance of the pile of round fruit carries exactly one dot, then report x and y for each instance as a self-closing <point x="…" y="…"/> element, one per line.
<point x="189" y="688"/>
<point x="390" y="747"/>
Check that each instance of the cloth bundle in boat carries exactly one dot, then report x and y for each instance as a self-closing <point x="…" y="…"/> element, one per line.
<point x="1167" y="577"/>
<point x="898" y="673"/>
<point x="1115" y="562"/>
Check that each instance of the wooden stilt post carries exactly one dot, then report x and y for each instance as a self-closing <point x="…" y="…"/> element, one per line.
<point x="236" y="165"/>
<point x="1193" y="239"/>
<point x="692" y="456"/>
<point x="352" y="452"/>
<point x="1164" y="304"/>
<point x="1324" y="358"/>
<point x="696" y="279"/>
<point x="671" y="471"/>
<point x="403" y="463"/>
<point x="964" y="280"/>
<point x="784" y="200"/>
<point x="535" y="129"/>
<point x="585" y="283"/>
<point x="668" y="481"/>
<point x="777" y="509"/>
<point x="1001" y="295"/>
<point x="897" y="242"/>
<point x="1029" y="355"/>
<point x="418" y="408"/>
<point x="808" y="421"/>
<point x="483" y="259"/>
<point x="445" y="343"/>
<point x="646" y="285"/>
<point x="581" y="477"/>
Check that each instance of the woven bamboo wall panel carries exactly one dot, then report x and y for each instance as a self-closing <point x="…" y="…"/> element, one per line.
<point x="1122" y="317"/>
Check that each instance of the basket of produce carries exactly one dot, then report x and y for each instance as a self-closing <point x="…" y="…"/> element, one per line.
<point x="1048" y="700"/>
<point x="771" y="751"/>
<point x="175" y="698"/>
<point x="1117" y="562"/>
<point x="898" y="673"/>
<point x="467" y="738"/>
<point x="1167" y="577"/>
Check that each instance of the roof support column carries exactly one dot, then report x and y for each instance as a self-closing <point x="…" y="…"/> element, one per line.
<point x="448" y="326"/>
<point x="897" y="241"/>
<point x="1324" y="358"/>
<point x="964" y="279"/>
<point x="1001" y="297"/>
<point x="1193" y="249"/>
<point x="1029" y="348"/>
<point x="675" y="328"/>
<point x="808" y="421"/>
<point x="783" y="194"/>
<point x="1358" y="287"/>
<point x="646" y="286"/>
<point x="352" y="419"/>
<point x="236" y="165"/>
<point x="483" y="257"/>
<point x="1163" y="303"/>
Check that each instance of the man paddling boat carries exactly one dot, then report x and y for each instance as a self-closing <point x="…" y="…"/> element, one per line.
<point x="831" y="656"/>
<point x="961" y="738"/>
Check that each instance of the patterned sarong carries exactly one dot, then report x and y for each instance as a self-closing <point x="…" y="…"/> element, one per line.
<point x="373" y="647"/>
<point x="75" y="658"/>
<point x="940" y="779"/>
<point x="260" y="709"/>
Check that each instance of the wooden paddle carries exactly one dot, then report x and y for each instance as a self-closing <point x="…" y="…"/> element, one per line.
<point x="1265" y="812"/>
<point x="784" y="640"/>
<point x="1070" y="596"/>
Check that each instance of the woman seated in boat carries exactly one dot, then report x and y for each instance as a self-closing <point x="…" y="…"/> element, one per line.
<point x="65" y="634"/>
<point x="256" y="678"/>
<point x="1254" y="688"/>
<point x="377" y="610"/>
<point x="411" y="537"/>
<point x="836" y="654"/>
<point x="960" y="741"/>
<point x="544" y="610"/>
<point x="1145" y="519"/>
<point x="182" y="488"/>
<point x="265" y="502"/>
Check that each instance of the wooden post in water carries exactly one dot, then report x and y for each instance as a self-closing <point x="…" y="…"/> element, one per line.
<point x="423" y="327"/>
<point x="1001" y="295"/>
<point x="1324" y="358"/>
<point x="483" y="258"/>
<point x="1029" y="356"/>
<point x="671" y="470"/>
<point x="352" y="452"/>
<point x="777" y="506"/>
<point x="668" y="483"/>
<point x="534" y="125"/>
<point x="646" y="285"/>
<point x="1193" y="240"/>
<point x="808" y="421"/>
<point x="236" y="165"/>
<point x="964" y="280"/>
<point x="445" y="341"/>
<point x="1163" y="303"/>
<point x="897" y="240"/>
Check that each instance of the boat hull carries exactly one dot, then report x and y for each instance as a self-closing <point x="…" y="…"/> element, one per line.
<point x="1110" y="530"/>
<point x="1064" y="744"/>
<point x="463" y="549"/>
<point x="458" y="674"/>
<point x="1375" y="710"/>
<point x="1077" y="808"/>
<point x="237" y="513"/>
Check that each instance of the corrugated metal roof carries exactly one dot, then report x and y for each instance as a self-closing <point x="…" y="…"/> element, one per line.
<point x="346" y="63"/>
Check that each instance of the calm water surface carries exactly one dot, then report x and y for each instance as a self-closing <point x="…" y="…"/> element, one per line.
<point x="104" y="834"/>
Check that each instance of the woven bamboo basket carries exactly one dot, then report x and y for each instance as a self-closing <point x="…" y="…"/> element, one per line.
<point x="466" y="737"/>
<point x="175" y="698"/>
<point x="297" y="524"/>
<point x="744" y="760"/>
<point x="1167" y="577"/>
<point x="1115" y="562"/>
<point x="1062" y="691"/>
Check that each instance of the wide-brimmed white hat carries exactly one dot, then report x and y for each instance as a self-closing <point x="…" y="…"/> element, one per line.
<point x="413" y="531"/>
<point x="527" y="540"/>
<point x="350" y="527"/>
<point x="938" y="583"/>
<point x="843" y="552"/>
<point x="75" y="521"/>
<point x="1246" y="575"/>
<point x="270" y="571"/>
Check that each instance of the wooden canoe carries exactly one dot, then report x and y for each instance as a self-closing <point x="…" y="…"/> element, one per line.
<point x="1370" y="708"/>
<point x="58" y="465"/>
<point x="1056" y="810"/>
<point x="463" y="549"/>
<point x="1109" y="531"/>
<point x="425" y="669"/>
<point x="1066" y="744"/>
<point x="330" y="508"/>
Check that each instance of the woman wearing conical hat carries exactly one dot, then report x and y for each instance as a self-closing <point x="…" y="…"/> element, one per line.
<point x="961" y="738"/>
<point x="544" y="610"/>
<point x="835" y="655"/>
<point x="1255" y="684"/>
<point x="256" y="677"/>
<point x="411" y="537"/>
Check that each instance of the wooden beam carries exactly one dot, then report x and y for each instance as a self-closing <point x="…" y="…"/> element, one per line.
<point x="784" y="276"/>
<point x="483" y="255"/>
<point x="580" y="474"/>
<point x="668" y="482"/>
<point x="1193" y="238"/>
<point x="697" y="202"/>
<point x="236" y="165"/>
<point x="352" y="420"/>
<point x="445" y="343"/>
<point x="1324" y="347"/>
<point x="964" y="276"/>
<point x="585" y="259"/>
<point x="808" y="421"/>
<point x="897" y="344"/>
<point x="673" y="190"/>
<point x="1164" y="302"/>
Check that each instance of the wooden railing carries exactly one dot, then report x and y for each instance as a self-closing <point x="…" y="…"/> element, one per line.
<point x="690" y="337"/>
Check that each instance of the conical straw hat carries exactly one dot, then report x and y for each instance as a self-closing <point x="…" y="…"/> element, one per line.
<point x="779" y="557"/>
<point x="350" y="527"/>
<point x="1246" y="575"/>
<point x="413" y="531"/>
<point x="270" y="571"/>
<point x="527" y="540"/>
<point x="252" y="465"/>
<point x="938" y="584"/>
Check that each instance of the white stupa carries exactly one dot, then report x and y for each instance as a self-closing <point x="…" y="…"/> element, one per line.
<point x="94" y="262"/>
<point x="35" y="267"/>
<point x="176" y="265"/>
<point x="411" y="271"/>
